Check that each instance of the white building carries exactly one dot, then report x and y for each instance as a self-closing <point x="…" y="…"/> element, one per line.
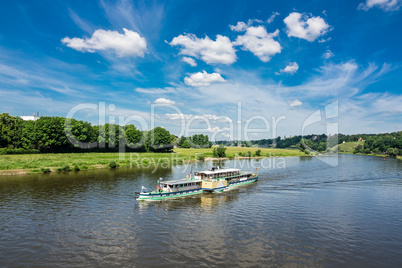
<point x="33" y="117"/>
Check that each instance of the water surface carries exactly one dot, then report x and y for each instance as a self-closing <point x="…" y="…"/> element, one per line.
<point x="302" y="212"/>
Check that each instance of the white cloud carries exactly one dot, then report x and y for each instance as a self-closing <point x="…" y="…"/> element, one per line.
<point x="271" y="19"/>
<point x="128" y="44"/>
<point x="189" y="60"/>
<point x="217" y="129"/>
<point x="211" y="52"/>
<point x="291" y="68"/>
<point x="295" y="103"/>
<point x="239" y="27"/>
<point x="165" y="90"/>
<point x="301" y="26"/>
<point x="204" y="117"/>
<point x="203" y="79"/>
<point x="164" y="101"/>
<point x="328" y="54"/>
<point x="386" y="5"/>
<point x="259" y="42"/>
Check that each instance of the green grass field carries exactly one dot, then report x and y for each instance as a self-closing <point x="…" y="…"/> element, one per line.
<point x="101" y="160"/>
<point x="349" y="147"/>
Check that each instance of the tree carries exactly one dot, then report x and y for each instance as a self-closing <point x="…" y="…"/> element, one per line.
<point x="221" y="151"/>
<point x="186" y="144"/>
<point x="159" y="140"/>
<point x="393" y="152"/>
<point x="134" y="138"/>
<point x="10" y="131"/>
<point x="49" y="134"/>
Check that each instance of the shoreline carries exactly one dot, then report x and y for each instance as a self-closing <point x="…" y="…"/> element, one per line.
<point x="178" y="157"/>
<point x="17" y="172"/>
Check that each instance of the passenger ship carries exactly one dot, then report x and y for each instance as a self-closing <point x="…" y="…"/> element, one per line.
<point x="213" y="180"/>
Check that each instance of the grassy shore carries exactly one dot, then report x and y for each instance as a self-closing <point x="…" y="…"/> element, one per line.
<point x="349" y="147"/>
<point x="22" y="164"/>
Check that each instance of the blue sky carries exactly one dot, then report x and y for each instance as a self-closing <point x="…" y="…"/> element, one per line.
<point x="280" y="61"/>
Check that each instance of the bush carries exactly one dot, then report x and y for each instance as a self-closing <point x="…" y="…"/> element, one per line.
<point x="76" y="168"/>
<point x="241" y="154"/>
<point x="45" y="170"/>
<point x="258" y="152"/>
<point x="221" y="151"/>
<point x="64" y="168"/>
<point x="215" y="152"/>
<point x="201" y="157"/>
<point x="18" y="151"/>
<point x="112" y="164"/>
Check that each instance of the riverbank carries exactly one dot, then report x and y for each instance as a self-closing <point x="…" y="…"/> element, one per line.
<point x="43" y="163"/>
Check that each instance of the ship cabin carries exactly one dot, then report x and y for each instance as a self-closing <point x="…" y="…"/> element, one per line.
<point x="180" y="185"/>
<point x="217" y="173"/>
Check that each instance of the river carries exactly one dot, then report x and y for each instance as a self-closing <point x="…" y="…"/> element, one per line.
<point x="301" y="212"/>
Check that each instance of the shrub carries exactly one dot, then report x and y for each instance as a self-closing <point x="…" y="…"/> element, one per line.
<point x="76" y="168"/>
<point x="221" y="151"/>
<point x="258" y="152"/>
<point x="112" y="164"/>
<point x="201" y="157"/>
<point x="64" y="168"/>
<point x="45" y="170"/>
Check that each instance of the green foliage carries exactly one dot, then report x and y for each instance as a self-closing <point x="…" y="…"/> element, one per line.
<point x="10" y="133"/>
<point x="221" y="151"/>
<point x="19" y="151"/>
<point x="195" y="141"/>
<point x="159" y="140"/>
<point x="76" y="168"/>
<point x="258" y="152"/>
<point x="358" y="149"/>
<point x="201" y="157"/>
<point x="45" y="170"/>
<point x="66" y="167"/>
<point x="248" y="154"/>
<point x="215" y="153"/>
<point x="186" y="144"/>
<point x="393" y="152"/>
<point x="112" y="164"/>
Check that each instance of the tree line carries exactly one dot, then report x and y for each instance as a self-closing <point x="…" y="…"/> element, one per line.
<point x="384" y="143"/>
<point x="59" y="134"/>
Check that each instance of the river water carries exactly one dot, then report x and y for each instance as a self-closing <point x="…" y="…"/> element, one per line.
<point x="301" y="212"/>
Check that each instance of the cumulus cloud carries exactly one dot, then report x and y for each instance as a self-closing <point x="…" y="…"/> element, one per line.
<point x="211" y="52"/>
<point x="291" y="68"/>
<point x="302" y="26"/>
<point x="203" y="79"/>
<point x="259" y="42"/>
<point x="386" y="5"/>
<point x="129" y="44"/>
<point x="241" y="26"/>
<point x="295" y="103"/>
<point x="189" y="60"/>
<point x="164" y="101"/>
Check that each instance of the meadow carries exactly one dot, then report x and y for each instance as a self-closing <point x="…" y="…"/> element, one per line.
<point x="38" y="162"/>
